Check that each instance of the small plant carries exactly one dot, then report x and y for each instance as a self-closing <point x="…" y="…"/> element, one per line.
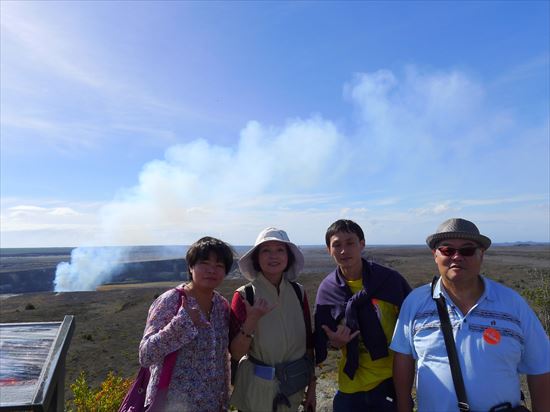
<point x="30" y="306"/>
<point x="539" y="296"/>
<point x="107" y="398"/>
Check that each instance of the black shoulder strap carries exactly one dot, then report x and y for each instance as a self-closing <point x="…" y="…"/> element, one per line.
<point x="447" y="330"/>
<point x="298" y="291"/>
<point x="249" y="294"/>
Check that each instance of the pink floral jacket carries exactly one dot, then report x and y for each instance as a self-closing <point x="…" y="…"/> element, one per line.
<point x="200" y="381"/>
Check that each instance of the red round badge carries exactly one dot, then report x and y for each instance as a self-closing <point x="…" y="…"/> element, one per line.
<point x="491" y="336"/>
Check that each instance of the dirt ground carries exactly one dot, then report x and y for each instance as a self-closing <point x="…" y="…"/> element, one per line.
<point x="110" y="321"/>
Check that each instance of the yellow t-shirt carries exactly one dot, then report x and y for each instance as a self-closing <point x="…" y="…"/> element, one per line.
<point x="370" y="373"/>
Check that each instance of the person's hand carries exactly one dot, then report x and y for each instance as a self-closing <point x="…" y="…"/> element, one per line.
<point x="260" y="308"/>
<point x="194" y="313"/>
<point x="341" y="337"/>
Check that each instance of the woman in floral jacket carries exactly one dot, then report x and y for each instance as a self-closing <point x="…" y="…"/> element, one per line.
<point x="194" y="322"/>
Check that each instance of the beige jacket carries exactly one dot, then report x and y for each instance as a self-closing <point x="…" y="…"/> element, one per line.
<point x="280" y="336"/>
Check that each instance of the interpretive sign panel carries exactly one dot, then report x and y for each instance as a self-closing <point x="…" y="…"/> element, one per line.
<point x="32" y="364"/>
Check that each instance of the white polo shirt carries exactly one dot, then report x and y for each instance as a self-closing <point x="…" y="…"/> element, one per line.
<point x="498" y="339"/>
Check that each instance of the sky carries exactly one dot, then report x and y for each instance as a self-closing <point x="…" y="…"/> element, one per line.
<point x="157" y="123"/>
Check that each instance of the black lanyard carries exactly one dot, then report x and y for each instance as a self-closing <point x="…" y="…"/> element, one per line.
<point x="447" y="330"/>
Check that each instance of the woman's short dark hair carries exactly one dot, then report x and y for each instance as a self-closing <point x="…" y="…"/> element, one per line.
<point x="256" y="260"/>
<point x="201" y="249"/>
<point x="344" y="225"/>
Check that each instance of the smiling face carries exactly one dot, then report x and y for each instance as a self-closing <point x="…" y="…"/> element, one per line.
<point x="273" y="259"/>
<point x="346" y="248"/>
<point x="208" y="274"/>
<point x="458" y="269"/>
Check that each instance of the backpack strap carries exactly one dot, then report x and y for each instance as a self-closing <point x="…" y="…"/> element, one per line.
<point x="298" y="291"/>
<point x="170" y="359"/>
<point x="249" y="294"/>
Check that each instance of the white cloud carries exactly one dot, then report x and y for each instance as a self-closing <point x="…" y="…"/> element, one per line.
<point x="27" y="208"/>
<point x="393" y="170"/>
<point x="412" y="115"/>
<point x="436" y="209"/>
<point x="64" y="136"/>
<point x="501" y="201"/>
<point x="442" y="208"/>
<point x="35" y="41"/>
<point x="17" y="218"/>
<point x="198" y="183"/>
<point x="389" y="201"/>
<point x="524" y="70"/>
<point x="64" y="211"/>
<point x="50" y="65"/>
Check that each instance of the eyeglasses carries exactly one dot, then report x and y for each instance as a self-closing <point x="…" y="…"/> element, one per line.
<point x="463" y="251"/>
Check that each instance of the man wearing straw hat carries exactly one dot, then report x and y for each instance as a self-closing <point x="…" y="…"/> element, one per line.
<point x="496" y="335"/>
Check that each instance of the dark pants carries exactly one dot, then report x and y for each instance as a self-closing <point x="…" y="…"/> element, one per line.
<point x="381" y="398"/>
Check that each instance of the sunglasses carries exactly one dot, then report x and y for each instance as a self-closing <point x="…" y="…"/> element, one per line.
<point x="463" y="251"/>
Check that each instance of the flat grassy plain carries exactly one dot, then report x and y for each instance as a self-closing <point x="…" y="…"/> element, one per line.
<point x="110" y="321"/>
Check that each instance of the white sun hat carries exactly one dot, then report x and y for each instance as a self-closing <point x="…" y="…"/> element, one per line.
<point x="247" y="267"/>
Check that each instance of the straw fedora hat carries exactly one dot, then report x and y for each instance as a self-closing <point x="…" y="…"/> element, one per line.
<point x="457" y="228"/>
<point x="247" y="267"/>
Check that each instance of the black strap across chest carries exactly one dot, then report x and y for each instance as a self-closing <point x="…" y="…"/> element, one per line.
<point x="447" y="330"/>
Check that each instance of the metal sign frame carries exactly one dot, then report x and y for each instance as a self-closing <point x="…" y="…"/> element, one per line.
<point x="50" y="385"/>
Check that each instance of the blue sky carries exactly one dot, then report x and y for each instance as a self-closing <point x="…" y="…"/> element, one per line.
<point x="142" y="123"/>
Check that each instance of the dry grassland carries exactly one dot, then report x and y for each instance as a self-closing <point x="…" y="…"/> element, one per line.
<point x="110" y="321"/>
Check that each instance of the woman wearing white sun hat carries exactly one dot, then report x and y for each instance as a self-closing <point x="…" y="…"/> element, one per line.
<point x="270" y="329"/>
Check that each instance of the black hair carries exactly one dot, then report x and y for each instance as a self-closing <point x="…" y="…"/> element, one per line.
<point x="256" y="260"/>
<point x="201" y="249"/>
<point x="344" y="225"/>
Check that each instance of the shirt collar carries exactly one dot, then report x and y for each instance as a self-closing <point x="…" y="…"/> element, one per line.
<point x="437" y="289"/>
<point x="342" y="280"/>
<point x="488" y="290"/>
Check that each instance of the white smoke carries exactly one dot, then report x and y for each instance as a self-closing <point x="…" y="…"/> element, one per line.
<point x="89" y="268"/>
<point x="201" y="188"/>
<point x="199" y="182"/>
<point x="199" y="185"/>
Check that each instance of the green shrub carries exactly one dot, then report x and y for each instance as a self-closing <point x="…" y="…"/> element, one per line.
<point x="107" y="398"/>
<point x="538" y="295"/>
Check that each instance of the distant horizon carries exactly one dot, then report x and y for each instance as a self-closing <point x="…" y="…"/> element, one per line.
<point x="519" y="242"/>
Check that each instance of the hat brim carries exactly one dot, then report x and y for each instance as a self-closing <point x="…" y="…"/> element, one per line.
<point x="434" y="239"/>
<point x="247" y="267"/>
